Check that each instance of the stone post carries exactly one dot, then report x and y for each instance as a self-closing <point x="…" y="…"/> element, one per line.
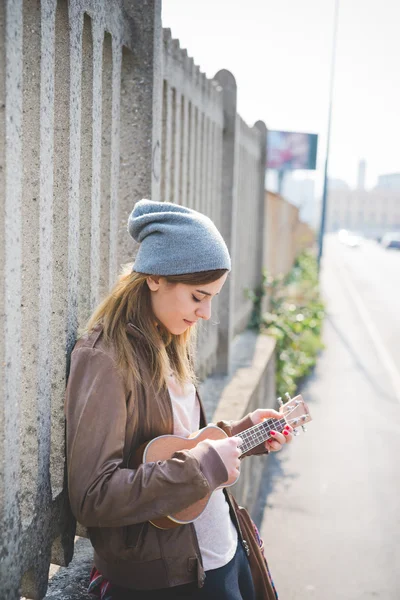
<point x="141" y="106"/>
<point x="228" y="215"/>
<point x="262" y="216"/>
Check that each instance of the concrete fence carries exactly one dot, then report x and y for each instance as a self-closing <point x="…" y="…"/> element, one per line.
<point x="249" y="218"/>
<point x="192" y="153"/>
<point x="214" y="162"/>
<point x="79" y="112"/>
<point x="98" y="108"/>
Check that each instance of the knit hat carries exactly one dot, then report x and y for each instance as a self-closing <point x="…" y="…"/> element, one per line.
<point x="175" y="240"/>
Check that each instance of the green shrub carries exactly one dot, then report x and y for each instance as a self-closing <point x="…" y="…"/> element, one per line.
<point x="294" y="319"/>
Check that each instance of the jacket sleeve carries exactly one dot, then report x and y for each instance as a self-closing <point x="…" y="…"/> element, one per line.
<point x="103" y="493"/>
<point x="236" y="427"/>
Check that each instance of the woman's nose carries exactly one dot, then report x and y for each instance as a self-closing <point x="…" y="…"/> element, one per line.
<point x="204" y="312"/>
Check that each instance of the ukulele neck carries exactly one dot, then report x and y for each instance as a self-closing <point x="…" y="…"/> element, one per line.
<point x="258" y="434"/>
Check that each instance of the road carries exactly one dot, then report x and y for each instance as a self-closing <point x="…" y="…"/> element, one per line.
<point x="331" y="525"/>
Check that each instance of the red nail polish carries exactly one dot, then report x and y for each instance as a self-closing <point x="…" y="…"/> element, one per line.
<point x="287" y="427"/>
<point x="273" y="432"/>
<point x="285" y="433"/>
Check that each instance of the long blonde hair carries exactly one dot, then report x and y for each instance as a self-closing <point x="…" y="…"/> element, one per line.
<point x="130" y="302"/>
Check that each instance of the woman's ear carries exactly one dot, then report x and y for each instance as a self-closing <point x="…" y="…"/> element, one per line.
<point x="153" y="281"/>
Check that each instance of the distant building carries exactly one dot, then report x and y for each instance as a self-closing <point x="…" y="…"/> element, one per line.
<point x="362" y="167"/>
<point x="390" y="181"/>
<point x="371" y="212"/>
<point x="337" y="184"/>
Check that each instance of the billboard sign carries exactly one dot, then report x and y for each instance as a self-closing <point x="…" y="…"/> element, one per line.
<point x="289" y="150"/>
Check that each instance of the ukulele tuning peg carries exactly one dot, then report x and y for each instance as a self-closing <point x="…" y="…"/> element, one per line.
<point x="280" y="402"/>
<point x="296" y="432"/>
<point x="287" y="396"/>
<point x="304" y="428"/>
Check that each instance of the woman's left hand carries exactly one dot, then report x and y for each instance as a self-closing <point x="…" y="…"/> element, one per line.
<point x="276" y="440"/>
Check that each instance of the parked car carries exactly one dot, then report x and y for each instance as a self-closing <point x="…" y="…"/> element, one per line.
<point x="391" y="240"/>
<point x="349" y="238"/>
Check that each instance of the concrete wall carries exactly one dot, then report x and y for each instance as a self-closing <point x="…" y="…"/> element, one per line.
<point x="79" y="125"/>
<point x="251" y="386"/>
<point x="192" y="154"/>
<point x="99" y="108"/>
<point x="249" y="218"/>
<point x="214" y="162"/>
<point x="285" y="235"/>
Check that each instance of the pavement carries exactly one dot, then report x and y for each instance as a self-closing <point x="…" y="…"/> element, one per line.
<point x="331" y="522"/>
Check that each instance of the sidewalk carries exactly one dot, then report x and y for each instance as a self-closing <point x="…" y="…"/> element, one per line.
<point x="331" y="524"/>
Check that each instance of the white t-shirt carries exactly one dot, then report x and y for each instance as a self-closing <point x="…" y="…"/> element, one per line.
<point x="215" y="531"/>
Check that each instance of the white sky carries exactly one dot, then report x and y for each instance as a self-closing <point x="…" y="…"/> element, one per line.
<point x="280" y="52"/>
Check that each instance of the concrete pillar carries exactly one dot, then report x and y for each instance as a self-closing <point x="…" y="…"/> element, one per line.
<point x="260" y="192"/>
<point x="192" y="150"/>
<point x="216" y="175"/>
<point x="207" y="167"/>
<point x="208" y="185"/>
<point x="204" y="149"/>
<point x="88" y="118"/>
<point x="185" y="151"/>
<point x="140" y="123"/>
<point x="96" y="159"/>
<point x="176" y="174"/>
<point x="228" y="214"/>
<point x="167" y="143"/>
<point x="106" y="276"/>
<point x="3" y="409"/>
<point x="55" y="182"/>
<point x="10" y="260"/>
<point x="177" y="149"/>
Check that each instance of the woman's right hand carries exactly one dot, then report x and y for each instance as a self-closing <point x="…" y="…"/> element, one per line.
<point x="229" y="451"/>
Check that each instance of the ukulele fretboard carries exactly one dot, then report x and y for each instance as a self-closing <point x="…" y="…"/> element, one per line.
<point x="258" y="434"/>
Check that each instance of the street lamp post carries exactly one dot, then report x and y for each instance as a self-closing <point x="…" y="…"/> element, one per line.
<point x="325" y="190"/>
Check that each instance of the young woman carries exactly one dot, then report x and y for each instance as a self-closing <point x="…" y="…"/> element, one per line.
<point x="132" y="379"/>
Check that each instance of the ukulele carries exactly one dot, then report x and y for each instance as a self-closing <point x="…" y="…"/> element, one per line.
<point x="294" y="412"/>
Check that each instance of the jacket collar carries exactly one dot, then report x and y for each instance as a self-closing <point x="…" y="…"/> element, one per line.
<point x="134" y="331"/>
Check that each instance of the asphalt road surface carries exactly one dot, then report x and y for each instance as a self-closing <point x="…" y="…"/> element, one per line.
<point x="331" y="524"/>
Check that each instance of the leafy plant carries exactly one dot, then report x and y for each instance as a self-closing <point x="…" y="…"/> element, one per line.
<point x="294" y="318"/>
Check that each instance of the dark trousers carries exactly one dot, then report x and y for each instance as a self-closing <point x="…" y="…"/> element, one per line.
<point x="230" y="582"/>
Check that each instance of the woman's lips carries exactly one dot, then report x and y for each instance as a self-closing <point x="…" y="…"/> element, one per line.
<point x="189" y="322"/>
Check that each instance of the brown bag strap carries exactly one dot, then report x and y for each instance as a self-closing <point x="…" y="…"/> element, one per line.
<point x="261" y="578"/>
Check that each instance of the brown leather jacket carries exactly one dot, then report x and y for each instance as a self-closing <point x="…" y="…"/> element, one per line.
<point x="115" y="501"/>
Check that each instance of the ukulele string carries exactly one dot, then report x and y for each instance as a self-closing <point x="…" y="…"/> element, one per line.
<point x="271" y="421"/>
<point x="256" y="434"/>
<point x="259" y="433"/>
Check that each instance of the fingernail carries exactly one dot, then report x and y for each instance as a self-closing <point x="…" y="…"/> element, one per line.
<point x="287" y="427"/>
<point x="273" y="432"/>
<point x="285" y="433"/>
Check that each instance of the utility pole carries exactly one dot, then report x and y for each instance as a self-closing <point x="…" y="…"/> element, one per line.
<point x="281" y="177"/>
<point x="325" y="191"/>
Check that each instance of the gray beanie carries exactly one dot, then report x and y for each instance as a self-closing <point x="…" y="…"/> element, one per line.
<point x="175" y="240"/>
